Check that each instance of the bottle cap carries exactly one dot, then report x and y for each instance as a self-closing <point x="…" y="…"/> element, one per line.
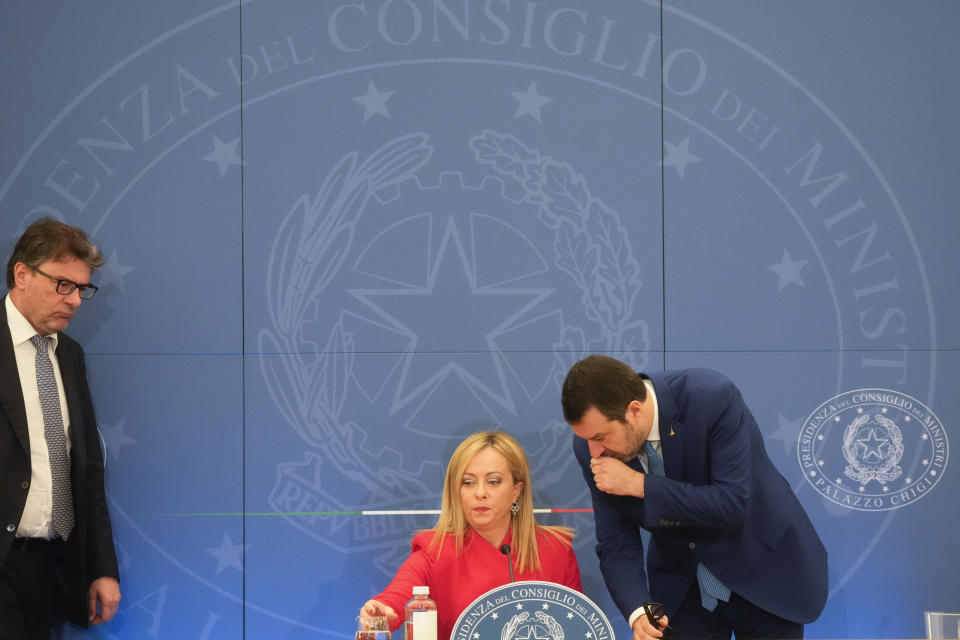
<point x="421" y="591"/>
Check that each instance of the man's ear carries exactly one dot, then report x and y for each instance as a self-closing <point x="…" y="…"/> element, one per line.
<point x="20" y="273"/>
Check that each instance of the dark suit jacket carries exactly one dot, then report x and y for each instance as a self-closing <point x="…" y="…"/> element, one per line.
<point x="722" y="503"/>
<point x="89" y="553"/>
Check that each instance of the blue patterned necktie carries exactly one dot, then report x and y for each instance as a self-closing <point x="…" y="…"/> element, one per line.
<point x="711" y="589"/>
<point x="56" y="440"/>
<point x="654" y="460"/>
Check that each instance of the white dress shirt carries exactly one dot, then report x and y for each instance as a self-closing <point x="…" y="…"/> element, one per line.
<point x="37" y="518"/>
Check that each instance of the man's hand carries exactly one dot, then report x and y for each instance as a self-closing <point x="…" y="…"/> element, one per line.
<point x="615" y="477"/>
<point x="106" y="591"/>
<point x="377" y="608"/>
<point x="643" y="630"/>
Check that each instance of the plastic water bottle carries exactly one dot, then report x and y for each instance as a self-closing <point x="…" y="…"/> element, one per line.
<point x="420" y="616"/>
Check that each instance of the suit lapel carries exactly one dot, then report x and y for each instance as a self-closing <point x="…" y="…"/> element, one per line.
<point x="11" y="395"/>
<point x="671" y="429"/>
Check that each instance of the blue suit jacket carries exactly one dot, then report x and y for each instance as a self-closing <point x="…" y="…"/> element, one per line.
<point x="722" y="503"/>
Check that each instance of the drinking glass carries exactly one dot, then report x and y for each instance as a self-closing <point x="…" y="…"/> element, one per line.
<point x="372" y="628"/>
<point x="942" y="626"/>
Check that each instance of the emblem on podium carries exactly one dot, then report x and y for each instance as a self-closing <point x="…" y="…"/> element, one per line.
<point x="532" y="610"/>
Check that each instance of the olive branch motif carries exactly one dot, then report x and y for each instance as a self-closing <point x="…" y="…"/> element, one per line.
<point x="309" y="249"/>
<point x="553" y="627"/>
<point x="590" y="245"/>
<point x="511" y="627"/>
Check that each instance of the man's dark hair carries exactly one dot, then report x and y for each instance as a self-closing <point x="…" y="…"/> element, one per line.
<point x="49" y="239"/>
<point x="601" y="382"/>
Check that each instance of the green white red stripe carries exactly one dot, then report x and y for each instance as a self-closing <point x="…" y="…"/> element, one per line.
<point x="366" y="512"/>
<point x="436" y="512"/>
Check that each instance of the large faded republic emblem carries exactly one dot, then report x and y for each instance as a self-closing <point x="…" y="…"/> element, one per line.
<point x="355" y="270"/>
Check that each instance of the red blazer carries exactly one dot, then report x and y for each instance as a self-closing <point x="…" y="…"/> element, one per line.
<point x="455" y="580"/>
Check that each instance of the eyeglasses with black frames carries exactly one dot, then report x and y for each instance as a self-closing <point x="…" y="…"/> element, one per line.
<point x="66" y="287"/>
<point x="655" y="612"/>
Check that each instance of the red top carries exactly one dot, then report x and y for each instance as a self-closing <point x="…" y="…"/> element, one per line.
<point x="455" y="580"/>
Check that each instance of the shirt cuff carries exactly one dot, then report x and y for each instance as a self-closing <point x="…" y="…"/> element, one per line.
<point x="639" y="611"/>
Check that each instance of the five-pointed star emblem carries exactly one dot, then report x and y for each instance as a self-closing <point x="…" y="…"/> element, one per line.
<point x="788" y="271"/>
<point x="112" y="272"/>
<point x="228" y="554"/>
<point x="678" y="156"/>
<point x="873" y="446"/>
<point x="224" y="154"/>
<point x="529" y="102"/>
<point x="451" y="285"/>
<point x="374" y="102"/>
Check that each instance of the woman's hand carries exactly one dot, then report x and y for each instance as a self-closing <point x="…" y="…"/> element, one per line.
<point x="377" y="608"/>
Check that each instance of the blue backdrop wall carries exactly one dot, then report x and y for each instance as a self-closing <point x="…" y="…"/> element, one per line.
<point x="342" y="235"/>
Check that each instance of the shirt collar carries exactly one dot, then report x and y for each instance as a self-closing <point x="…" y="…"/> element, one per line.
<point x="654" y="435"/>
<point x="20" y="328"/>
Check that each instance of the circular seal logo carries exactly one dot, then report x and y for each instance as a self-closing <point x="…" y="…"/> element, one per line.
<point x="873" y="449"/>
<point x="532" y="609"/>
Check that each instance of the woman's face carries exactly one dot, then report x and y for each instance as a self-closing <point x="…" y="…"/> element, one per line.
<point x="487" y="491"/>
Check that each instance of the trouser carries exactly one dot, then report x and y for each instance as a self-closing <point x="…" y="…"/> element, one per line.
<point x="744" y="620"/>
<point x="28" y="589"/>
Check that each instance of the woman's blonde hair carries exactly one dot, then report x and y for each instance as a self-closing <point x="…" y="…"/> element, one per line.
<point x="523" y="523"/>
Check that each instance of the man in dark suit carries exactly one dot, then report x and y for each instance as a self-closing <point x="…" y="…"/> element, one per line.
<point x="57" y="558"/>
<point x="679" y="454"/>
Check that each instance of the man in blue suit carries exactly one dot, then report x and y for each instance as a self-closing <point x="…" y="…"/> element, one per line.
<point x="679" y="454"/>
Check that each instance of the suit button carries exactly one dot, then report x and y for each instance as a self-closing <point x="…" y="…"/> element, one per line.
<point x="11" y="528"/>
<point x="692" y="545"/>
<point x="24" y="485"/>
